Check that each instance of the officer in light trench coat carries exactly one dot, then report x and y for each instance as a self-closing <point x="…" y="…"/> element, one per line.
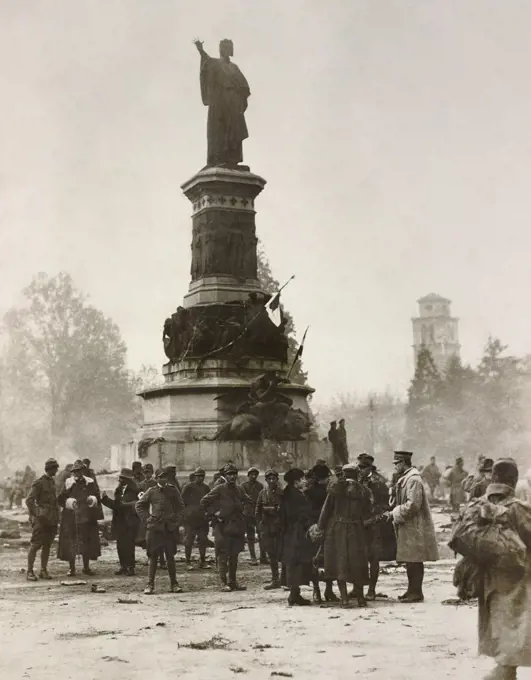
<point x="415" y="533"/>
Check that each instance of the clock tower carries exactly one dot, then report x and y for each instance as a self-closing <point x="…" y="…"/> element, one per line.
<point x="436" y="329"/>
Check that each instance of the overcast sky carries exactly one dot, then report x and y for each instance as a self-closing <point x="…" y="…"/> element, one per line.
<point x="395" y="136"/>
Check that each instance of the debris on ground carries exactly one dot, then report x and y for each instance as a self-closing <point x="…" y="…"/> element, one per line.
<point x="73" y="583"/>
<point x="127" y="600"/>
<point x="95" y="588"/>
<point x="215" y="642"/>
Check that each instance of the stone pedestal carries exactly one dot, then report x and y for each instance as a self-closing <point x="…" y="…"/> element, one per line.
<point x="224" y="266"/>
<point x="221" y="339"/>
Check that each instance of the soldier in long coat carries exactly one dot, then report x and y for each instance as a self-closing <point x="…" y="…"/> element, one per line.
<point x="455" y="479"/>
<point x="44" y="517"/>
<point x="298" y="549"/>
<point x="269" y="523"/>
<point x="252" y="488"/>
<point x="381" y="542"/>
<point x="226" y="503"/>
<point x="194" y="519"/>
<point x="505" y="598"/>
<point x="346" y="509"/>
<point x="78" y="530"/>
<point x="125" y="521"/>
<point x="415" y="533"/>
<point x="316" y="491"/>
<point x="161" y="508"/>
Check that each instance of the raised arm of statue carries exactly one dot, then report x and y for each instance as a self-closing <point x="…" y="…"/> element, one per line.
<point x="199" y="44"/>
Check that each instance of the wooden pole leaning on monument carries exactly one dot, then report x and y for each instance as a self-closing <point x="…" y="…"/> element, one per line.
<point x="298" y="353"/>
<point x="232" y="342"/>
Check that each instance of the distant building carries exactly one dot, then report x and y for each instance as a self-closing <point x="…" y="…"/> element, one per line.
<point x="436" y="330"/>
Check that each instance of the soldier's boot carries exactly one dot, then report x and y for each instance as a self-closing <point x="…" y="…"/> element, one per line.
<point x="358" y="594"/>
<point x="188" y="556"/>
<point x="202" y="557"/>
<point x="329" y="594"/>
<point x="374" y="572"/>
<point x="275" y="578"/>
<point x="415" y="572"/>
<point x="345" y="602"/>
<point x="233" y="568"/>
<point x="295" y="598"/>
<point x="317" y="598"/>
<point x="45" y="556"/>
<point x="223" y="565"/>
<point x="86" y="566"/>
<point x="252" y="552"/>
<point x="174" y="586"/>
<point x="283" y="577"/>
<point x="263" y="555"/>
<point x="32" y="554"/>
<point x="152" y="570"/>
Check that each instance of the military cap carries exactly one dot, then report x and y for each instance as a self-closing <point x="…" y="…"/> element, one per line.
<point x="293" y="475"/>
<point x="403" y="455"/>
<point x="320" y="471"/>
<point x="199" y="472"/>
<point x="253" y="469"/>
<point x="126" y="473"/>
<point x="162" y="472"/>
<point x="148" y="466"/>
<point x="349" y="470"/>
<point x="365" y="460"/>
<point x="486" y="465"/>
<point x="230" y="468"/>
<point x="271" y="473"/>
<point x="51" y="463"/>
<point x="78" y="466"/>
<point x="505" y="471"/>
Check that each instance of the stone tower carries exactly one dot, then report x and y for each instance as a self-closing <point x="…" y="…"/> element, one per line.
<point x="436" y="329"/>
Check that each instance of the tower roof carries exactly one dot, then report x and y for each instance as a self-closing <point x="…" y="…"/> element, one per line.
<point x="433" y="297"/>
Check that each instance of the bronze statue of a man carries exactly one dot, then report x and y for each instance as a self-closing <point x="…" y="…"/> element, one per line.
<point x="225" y="91"/>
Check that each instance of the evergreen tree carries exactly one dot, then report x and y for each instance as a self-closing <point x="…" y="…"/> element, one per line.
<point x="270" y="285"/>
<point x="423" y="419"/>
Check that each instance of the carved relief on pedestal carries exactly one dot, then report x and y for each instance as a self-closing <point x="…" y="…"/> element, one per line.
<point x="231" y="330"/>
<point x="224" y="243"/>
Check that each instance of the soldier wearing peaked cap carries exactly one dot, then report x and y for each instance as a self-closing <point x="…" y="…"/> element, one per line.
<point x="381" y="542"/>
<point x="270" y="526"/>
<point x="161" y="508"/>
<point x="252" y="488"/>
<point x="227" y="503"/>
<point x="316" y="492"/>
<point x="194" y="519"/>
<point x="44" y="518"/>
<point x="415" y="533"/>
<point x="298" y="549"/>
<point x="125" y="521"/>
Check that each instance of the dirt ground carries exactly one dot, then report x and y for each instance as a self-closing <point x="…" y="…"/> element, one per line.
<point x="49" y="630"/>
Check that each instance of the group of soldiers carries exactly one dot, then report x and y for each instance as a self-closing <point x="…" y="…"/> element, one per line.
<point x="316" y="524"/>
<point x="461" y="485"/>
<point x="16" y="488"/>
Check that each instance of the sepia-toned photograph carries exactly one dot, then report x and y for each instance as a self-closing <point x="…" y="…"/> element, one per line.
<point x="265" y="348"/>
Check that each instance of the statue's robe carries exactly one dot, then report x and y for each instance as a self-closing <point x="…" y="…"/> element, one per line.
<point x="225" y="91"/>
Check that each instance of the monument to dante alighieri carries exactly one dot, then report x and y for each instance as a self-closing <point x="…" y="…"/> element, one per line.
<point x="227" y="392"/>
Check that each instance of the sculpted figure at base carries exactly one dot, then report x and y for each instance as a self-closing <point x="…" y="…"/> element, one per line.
<point x="267" y="414"/>
<point x="225" y="91"/>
